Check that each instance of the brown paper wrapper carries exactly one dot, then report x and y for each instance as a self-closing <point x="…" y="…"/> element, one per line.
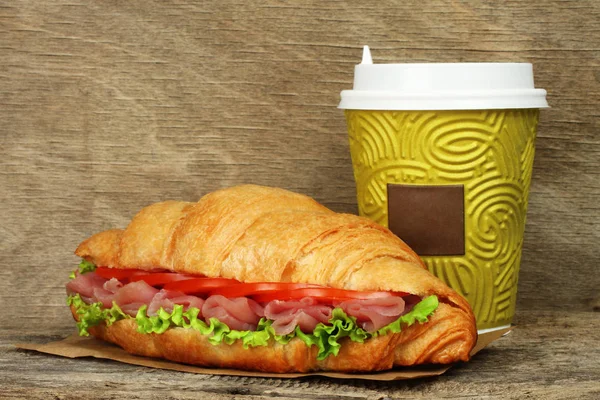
<point x="75" y="346"/>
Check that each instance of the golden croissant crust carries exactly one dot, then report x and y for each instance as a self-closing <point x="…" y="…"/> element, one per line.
<point x="256" y="234"/>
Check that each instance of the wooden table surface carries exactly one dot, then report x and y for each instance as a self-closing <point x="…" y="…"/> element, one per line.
<point x="106" y="107"/>
<point x="550" y="355"/>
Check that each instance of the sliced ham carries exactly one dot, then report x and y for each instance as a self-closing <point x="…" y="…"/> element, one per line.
<point x="104" y="296"/>
<point x="84" y="284"/>
<point x="112" y="285"/>
<point x="135" y="292"/>
<point x="106" y="293"/>
<point x="374" y="314"/>
<point x="167" y="299"/>
<point x="132" y="308"/>
<point x="130" y="297"/>
<point x="239" y="313"/>
<point x="305" y="313"/>
<point x="189" y="301"/>
<point x="161" y="300"/>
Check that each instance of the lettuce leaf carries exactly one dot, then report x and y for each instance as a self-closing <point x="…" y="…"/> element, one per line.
<point x="84" y="266"/>
<point x="420" y="312"/>
<point x="94" y="314"/>
<point x="218" y="331"/>
<point x="326" y="337"/>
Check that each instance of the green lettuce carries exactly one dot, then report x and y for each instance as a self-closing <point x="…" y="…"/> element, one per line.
<point x="94" y="314"/>
<point x="84" y="266"/>
<point x="326" y="337"/>
<point x="420" y="312"/>
<point x="218" y="331"/>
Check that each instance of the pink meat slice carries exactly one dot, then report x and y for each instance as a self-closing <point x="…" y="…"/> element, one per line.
<point x="167" y="299"/>
<point x="84" y="284"/>
<point x="135" y="292"/>
<point x="239" y="313"/>
<point x="106" y="293"/>
<point x="130" y="297"/>
<point x="112" y="285"/>
<point x="374" y="314"/>
<point x="103" y="296"/>
<point x="189" y="302"/>
<point x="305" y="313"/>
<point x="132" y="308"/>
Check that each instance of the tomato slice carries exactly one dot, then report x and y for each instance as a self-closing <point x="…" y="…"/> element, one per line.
<point x="249" y="289"/>
<point x="262" y="292"/>
<point x="160" y="278"/>
<point x="321" y="294"/>
<point x="120" y="274"/>
<point x="199" y="285"/>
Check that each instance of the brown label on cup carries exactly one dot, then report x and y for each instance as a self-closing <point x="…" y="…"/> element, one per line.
<point x="430" y="219"/>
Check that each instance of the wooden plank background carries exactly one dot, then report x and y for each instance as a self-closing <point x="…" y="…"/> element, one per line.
<point x="108" y="106"/>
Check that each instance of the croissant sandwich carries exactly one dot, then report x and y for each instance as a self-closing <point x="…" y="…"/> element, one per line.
<point x="264" y="279"/>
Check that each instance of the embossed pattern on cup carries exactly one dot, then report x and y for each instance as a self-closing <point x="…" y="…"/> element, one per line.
<point x="491" y="153"/>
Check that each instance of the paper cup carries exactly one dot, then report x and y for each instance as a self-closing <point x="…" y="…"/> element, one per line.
<point x="443" y="157"/>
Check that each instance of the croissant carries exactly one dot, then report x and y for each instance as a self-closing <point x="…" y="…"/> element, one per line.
<point x="251" y="234"/>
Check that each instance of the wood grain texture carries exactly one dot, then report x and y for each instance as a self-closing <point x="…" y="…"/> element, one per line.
<point x="106" y="107"/>
<point x="539" y="359"/>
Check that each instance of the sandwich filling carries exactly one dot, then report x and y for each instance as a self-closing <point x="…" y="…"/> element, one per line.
<point x="228" y="310"/>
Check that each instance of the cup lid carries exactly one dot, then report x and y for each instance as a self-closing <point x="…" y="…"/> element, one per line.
<point x="442" y="86"/>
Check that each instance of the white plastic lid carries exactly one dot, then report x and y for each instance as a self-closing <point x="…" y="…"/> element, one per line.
<point x="442" y="86"/>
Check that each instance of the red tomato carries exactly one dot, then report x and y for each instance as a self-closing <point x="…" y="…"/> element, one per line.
<point x="248" y="289"/>
<point x="199" y="285"/>
<point x="120" y="274"/>
<point x="160" y="278"/>
<point x="321" y="294"/>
